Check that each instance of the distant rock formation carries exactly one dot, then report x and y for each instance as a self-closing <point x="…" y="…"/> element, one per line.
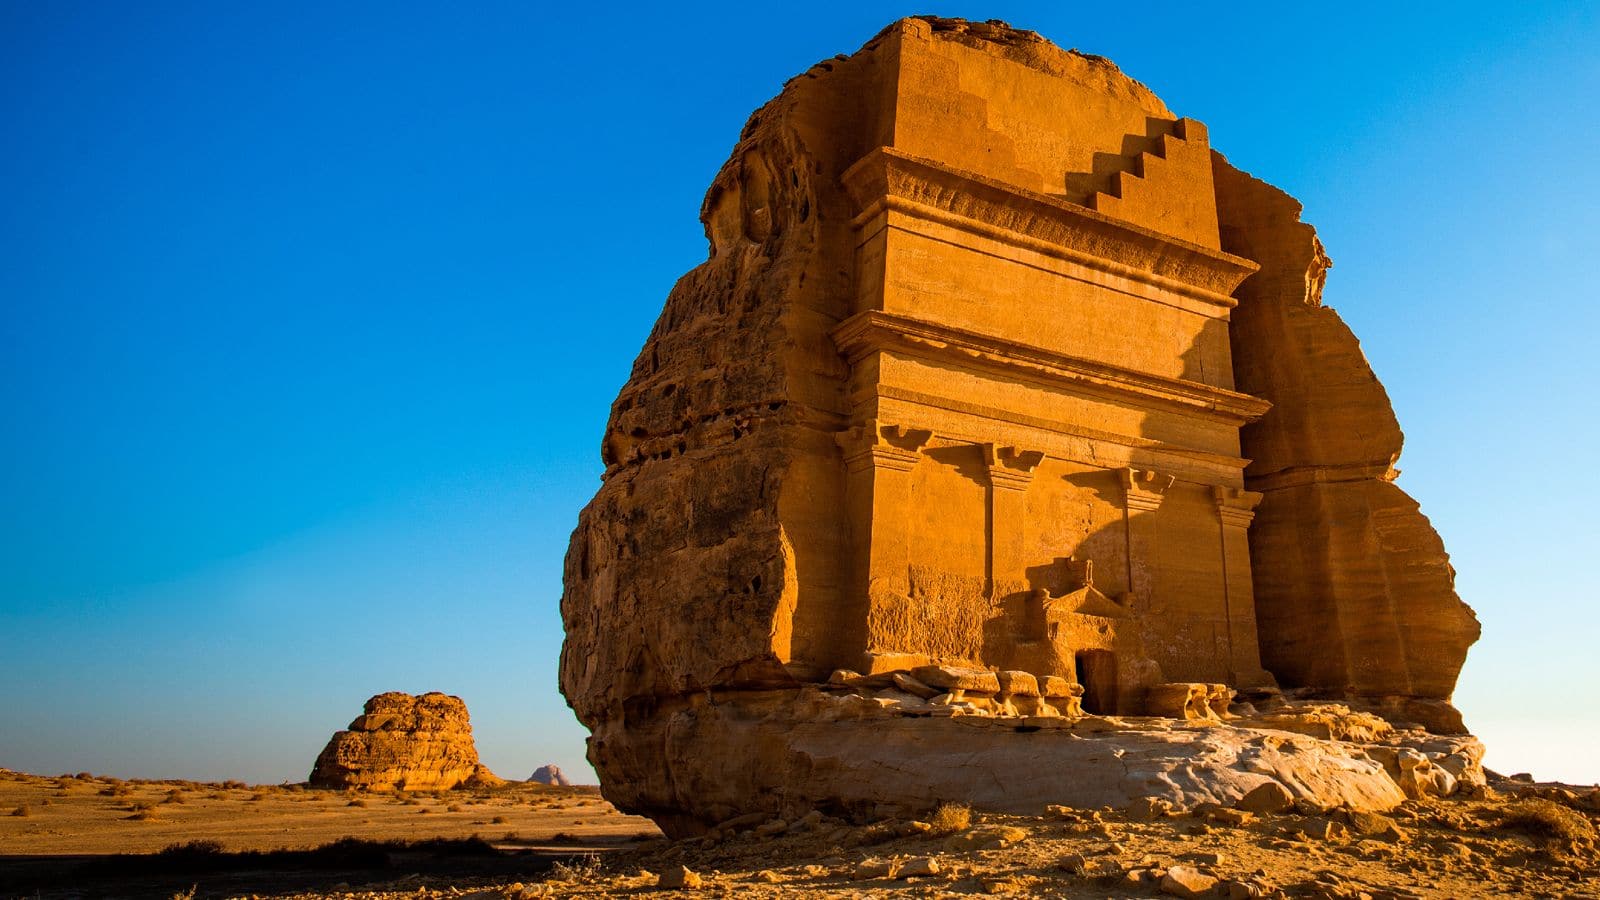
<point x="1002" y="396"/>
<point x="551" y="775"/>
<point x="404" y="742"/>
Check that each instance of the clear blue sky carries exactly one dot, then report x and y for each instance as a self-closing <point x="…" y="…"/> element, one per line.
<point x="311" y="314"/>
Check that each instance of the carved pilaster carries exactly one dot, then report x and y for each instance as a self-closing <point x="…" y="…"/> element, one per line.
<point x="1144" y="489"/>
<point x="1009" y="468"/>
<point x="874" y="445"/>
<point x="1235" y="510"/>
<point x="1009" y="471"/>
<point x="1235" y="506"/>
<point x="878" y="461"/>
<point x="1142" y="493"/>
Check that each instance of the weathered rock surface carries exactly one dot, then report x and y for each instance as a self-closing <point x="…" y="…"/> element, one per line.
<point x="551" y="775"/>
<point x="1355" y="595"/>
<point x="404" y="742"/>
<point x="1001" y="397"/>
<point x="850" y="755"/>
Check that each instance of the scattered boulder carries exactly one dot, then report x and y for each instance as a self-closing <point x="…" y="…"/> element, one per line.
<point x="986" y="837"/>
<point x="1323" y="829"/>
<point x="1242" y="890"/>
<point x="1187" y="881"/>
<point x="1222" y="815"/>
<point x="1368" y="824"/>
<point x="679" y="878"/>
<point x="404" y="742"/>
<point x="1149" y="809"/>
<point x="957" y="678"/>
<point x="875" y="867"/>
<point x="1265" y="799"/>
<point x="1091" y="866"/>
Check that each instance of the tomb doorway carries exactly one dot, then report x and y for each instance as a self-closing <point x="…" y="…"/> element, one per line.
<point x="1097" y="672"/>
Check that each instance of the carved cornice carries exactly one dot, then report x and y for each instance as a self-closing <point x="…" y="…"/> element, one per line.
<point x="865" y="332"/>
<point x="889" y="179"/>
<point x="1143" y="489"/>
<point x="1235" y="506"/>
<point x="1009" y="468"/>
<point x="882" y="446"/>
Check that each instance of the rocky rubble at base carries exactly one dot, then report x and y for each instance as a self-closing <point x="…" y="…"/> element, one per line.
<point x="1508" y="840"/>
<point x="404" y="742"/>
<point x="878" y="745"/>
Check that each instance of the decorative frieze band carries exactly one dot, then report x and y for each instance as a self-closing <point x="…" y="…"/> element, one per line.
<point x="889" y="179"/>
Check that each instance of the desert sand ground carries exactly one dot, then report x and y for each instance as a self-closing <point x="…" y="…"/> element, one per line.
<point x="1520" y="840"/>
<point x="56" y="833"/>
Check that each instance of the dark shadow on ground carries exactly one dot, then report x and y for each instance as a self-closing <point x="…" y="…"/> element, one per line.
<point x="350" y="863"/>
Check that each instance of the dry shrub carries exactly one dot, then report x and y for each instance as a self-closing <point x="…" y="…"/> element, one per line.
<point x="175" y="797"/>
<point x="190" y="849"/>
<point x="498" y="820"/>
<point x="258" y="795"/>
<point x="454" y="807"/>
<point x="1546" y="819"/>
<point x="357" y="802"/>
<point x="216" y="795"/>
<point x="576" y="869"/>
<point x="22" y="811"/>
<point x="144" y="815"/>
<point x="950" y="818"/>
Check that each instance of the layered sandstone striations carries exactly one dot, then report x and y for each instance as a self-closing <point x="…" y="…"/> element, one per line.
<point x="404" y="742"/>
<point x="1001" y="397"/>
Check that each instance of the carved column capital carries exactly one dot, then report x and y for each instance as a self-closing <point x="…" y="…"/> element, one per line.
<point x="1009" y="468"/>
<point x="1235" y="506"/>
<point x="882" y="446"/>
<point x="1143" y="489"/>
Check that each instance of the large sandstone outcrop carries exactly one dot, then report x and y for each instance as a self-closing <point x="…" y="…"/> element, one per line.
<point x="400" y="741"/>
<point x="1355" y="595"/>
<point x="854" y="755"/>
<point x="1002" y="392"/>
